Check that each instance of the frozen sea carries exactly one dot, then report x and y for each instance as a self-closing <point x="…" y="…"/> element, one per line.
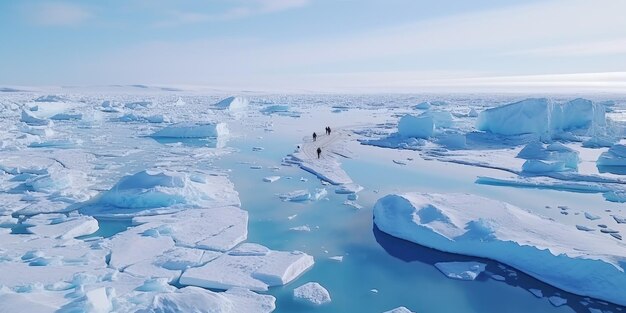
<point x="363" y="268"/>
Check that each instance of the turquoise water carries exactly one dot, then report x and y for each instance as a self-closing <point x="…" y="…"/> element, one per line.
<point x="401" y="273"/>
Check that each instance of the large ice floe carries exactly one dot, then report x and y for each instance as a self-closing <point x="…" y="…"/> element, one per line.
<point x="583" y="263"/>
<point x="328" y="166"/>
<point x="541" y="117"/>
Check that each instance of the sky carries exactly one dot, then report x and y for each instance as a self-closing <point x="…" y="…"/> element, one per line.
<point x="323" y="45"/>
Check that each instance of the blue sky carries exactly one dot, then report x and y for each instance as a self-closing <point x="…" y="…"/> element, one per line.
<point x="315" y="44"/>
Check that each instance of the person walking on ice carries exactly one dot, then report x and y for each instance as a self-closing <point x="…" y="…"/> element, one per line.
<point x="314" y="136"/>
<point x="319" y="152"/>
<point x="328" y="130"/>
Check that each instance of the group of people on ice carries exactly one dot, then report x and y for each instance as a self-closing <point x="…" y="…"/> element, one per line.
<point x="319" y="150"/>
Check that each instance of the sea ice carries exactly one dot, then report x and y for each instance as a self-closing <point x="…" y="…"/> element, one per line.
<point x="584" y="263"/>
<point x="254" y="272"/>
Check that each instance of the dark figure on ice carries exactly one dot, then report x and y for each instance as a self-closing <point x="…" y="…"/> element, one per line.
<point x="319" y="151"/>
<point x="314" y="136"/>
<point x="328" y="128"/>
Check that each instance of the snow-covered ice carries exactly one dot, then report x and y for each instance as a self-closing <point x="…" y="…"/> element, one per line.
<point x="584" y="263"/>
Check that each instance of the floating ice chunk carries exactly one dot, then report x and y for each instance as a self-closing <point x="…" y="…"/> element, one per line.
<point x="158" y="188"/>
<point x="193" y="130"/>
<point x="579" y="262"/>
<point x="348" y="188"/>
<point x="557" y="301"/>
<point x="461" y="270"/>
<point x="254" y="272"/>
<point x="553" y="158"/>
<point x="416" y="126"/>
<point x="584" y="228"/>
<point x="296" y="196"/>
<point x="277" y="108"/>
<point x="312" y="293"/>
<point x="619" y="219"/>
<point x="301" y="228"/>
<point x="338" y="258"/>
<point x="271" y="179"/>
<point x="232" y="104"/>
<point x="399" y="310"/>
<point x="590" y="216"/>
<point x="536" y="292"/>
<point x="30" y="119"/>
<point x="319" y="194"/>
<point x="66" y="229"/>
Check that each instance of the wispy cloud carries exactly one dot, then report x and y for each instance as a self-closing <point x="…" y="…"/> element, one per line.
<point x="57" y="14"/>
<point x="240" y="9"/>
<point x="591" y="48"/>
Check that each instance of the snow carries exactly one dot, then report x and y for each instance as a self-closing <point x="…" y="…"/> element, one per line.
<point x="193" y="130"/>
<point x="461" y="270"/>
<point x="312" y="293"/>
<point x="254" y="272"/>
<point x="541" y="117"/>
<point x="584" y="263"/>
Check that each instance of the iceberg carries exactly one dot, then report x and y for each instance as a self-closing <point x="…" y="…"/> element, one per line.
<point x="416" y="126"/>
<point x="30" y="119"/>
<point x="541" y="117"/>
<point x="614" y="157"/>
<point x="584" y="263"/>
<point x="312" y="293"/>
<point x="232" y="104"/>
<point x="193" y="130"/>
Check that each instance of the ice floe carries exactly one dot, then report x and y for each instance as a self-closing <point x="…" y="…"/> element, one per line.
<point x="584" y="263"/>
<point x="461" y="270"/>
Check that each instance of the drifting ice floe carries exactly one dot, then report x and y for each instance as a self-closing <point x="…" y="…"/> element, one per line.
<point x="584" y="263"/>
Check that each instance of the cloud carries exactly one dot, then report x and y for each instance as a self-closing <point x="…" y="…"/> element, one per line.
<point x="591" y="48"/>
<point x="241" y="9"/>
<point x="57" y="14"/>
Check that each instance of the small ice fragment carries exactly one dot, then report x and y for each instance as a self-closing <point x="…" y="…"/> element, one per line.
<point x="301" y="228"/>
<point x="312" y="293"/>
<point x="584" y="228"/>
<point x="557" y="301"/>
<point x="292" y="216"/>
<point x="536" y="292"/>
<point x="338" y="258"/>
<point x="590" y="216"/>
<point x="271" y="179"/>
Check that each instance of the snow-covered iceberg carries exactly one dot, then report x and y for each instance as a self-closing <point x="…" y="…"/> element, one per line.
<point x="583" y="263"/>
<point x="541" y="117"/>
